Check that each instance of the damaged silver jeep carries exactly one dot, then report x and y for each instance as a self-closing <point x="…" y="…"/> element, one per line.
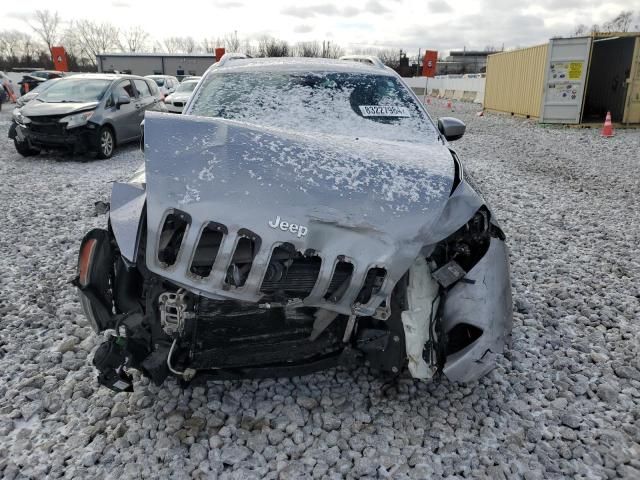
<point x="301" y="214"/>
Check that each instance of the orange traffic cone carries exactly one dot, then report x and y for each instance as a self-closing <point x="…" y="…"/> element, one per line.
<point x="449" y="104"/>
<point x="428" y="100"/>
<point x="607" y="130"/>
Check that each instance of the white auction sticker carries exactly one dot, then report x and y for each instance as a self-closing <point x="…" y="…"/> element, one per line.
<point x="384" y="111"/>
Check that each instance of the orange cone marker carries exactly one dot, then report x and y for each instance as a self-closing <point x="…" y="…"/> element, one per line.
<point x="607" y="130"/>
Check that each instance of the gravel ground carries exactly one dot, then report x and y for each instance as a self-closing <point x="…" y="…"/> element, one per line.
<point x="565" y="402"/>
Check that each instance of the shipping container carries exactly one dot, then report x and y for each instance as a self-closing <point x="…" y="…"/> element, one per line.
<point x="514" y="81"/>
<point x="569" y="80"/>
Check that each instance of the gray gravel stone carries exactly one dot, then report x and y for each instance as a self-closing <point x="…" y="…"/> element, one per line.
<point x="330" y="421"/>
<point x="607" y="393"/>
<point x="308" y="403"/>
<point x="234" y="454"/>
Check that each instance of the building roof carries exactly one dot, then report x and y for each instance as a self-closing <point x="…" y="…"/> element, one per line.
<point x="469" y="53"/>
<point x="154" y="55"/>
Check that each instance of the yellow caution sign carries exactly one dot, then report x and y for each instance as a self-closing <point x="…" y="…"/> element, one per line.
<point x="575" y="70"/>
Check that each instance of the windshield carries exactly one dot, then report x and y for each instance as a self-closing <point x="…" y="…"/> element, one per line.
<point x="159" y="81"/>
<point x="75" y="90"/>
<point x="355" y="104"/>
<point x="44" y="86"/>
<point x="186" y="87"/>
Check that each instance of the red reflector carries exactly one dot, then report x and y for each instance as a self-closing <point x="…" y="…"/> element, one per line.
<point x="86" y="255"/>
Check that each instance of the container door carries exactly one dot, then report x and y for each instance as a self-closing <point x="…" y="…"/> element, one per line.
<point x="632" y="105"/>
<point x="565" y="79"/>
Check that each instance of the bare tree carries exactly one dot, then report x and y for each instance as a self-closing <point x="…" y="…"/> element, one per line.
<point x="248" y="48"/>
<point x="209" y="45"/>
<point x="134" y="39"/>
<point x="95" y="38"/>
<point x="390" y="57"/>
<point x="308" y="49"/>
<point x="272" y="47"/>
<point x="188" y="44"/>
<point x="333" y="50"/>
<point x="620" y="23"/>
<point x="232" y="42"/>
<point x="580" y="30"/>
<point x="171" y="44"/>
<point x="45" y="25"/>
<point x="179" y="44"/>
<point x="11" y="42"/>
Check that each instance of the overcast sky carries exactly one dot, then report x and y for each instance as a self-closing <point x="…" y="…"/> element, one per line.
<point x="408" y="24"/>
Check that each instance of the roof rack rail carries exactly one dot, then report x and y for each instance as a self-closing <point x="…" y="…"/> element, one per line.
<point x="227" y="57"/>
<point x="370" y="59"/>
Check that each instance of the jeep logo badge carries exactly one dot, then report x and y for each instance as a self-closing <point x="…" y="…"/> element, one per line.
<point x="278" y="223"/>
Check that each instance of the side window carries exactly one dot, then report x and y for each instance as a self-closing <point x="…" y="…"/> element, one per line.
<point x="124" y="88"/>
<point x="153" y="88"/>
<point x="142" y="87"/>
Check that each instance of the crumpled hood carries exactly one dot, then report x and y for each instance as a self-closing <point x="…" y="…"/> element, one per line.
<point x="34" y="109"/>
<point x="371" y="201"/>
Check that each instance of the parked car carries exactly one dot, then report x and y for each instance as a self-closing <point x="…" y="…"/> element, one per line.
<point x="189" y="77"/>
<point x="32" y="94"/>
<point x="303" y="213"/>
<point x="86" y="112"/>
<point x="166" y="83"/>
<point x="35" y="78"/>
<point x="176" y="101"/>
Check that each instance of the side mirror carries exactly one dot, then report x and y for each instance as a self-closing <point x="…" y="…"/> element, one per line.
<point x="451" y="128"/>
<point x="123" y="100"/>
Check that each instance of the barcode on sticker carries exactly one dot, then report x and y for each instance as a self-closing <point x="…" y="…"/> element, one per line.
<point x="383" y="111"/>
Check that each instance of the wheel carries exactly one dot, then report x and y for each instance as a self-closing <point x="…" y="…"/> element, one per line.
<point x="106" y="143"/>
<point x="24" y="149"/>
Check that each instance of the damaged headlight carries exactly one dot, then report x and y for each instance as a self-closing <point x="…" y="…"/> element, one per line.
<point x="77" y="119"/>
<point x="19" y="118"/>
<point x="457" y="254"/>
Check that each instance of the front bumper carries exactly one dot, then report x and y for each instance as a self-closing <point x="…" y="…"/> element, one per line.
<point x="78" y="139"/>
<point x="482" y="300"/>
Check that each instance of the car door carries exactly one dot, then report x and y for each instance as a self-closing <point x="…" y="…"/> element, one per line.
<point x="125" y="118"/>
<point x="145" y="100"/>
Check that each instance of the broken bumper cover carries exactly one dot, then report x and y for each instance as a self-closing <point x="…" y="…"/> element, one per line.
<point x="79" y="139"/>
<point x="483" y="300"/>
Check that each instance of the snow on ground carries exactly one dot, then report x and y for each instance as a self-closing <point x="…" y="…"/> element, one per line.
<point x="564" y="403"/>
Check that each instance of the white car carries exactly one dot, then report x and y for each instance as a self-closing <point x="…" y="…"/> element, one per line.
<point x="190" y="77"/>
<point x="178" y="99"/>
<point x="166" y="83"/>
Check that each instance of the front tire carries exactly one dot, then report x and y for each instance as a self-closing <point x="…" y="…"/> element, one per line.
<point x="24" y="149"/>
<point x="106" y="143"/>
